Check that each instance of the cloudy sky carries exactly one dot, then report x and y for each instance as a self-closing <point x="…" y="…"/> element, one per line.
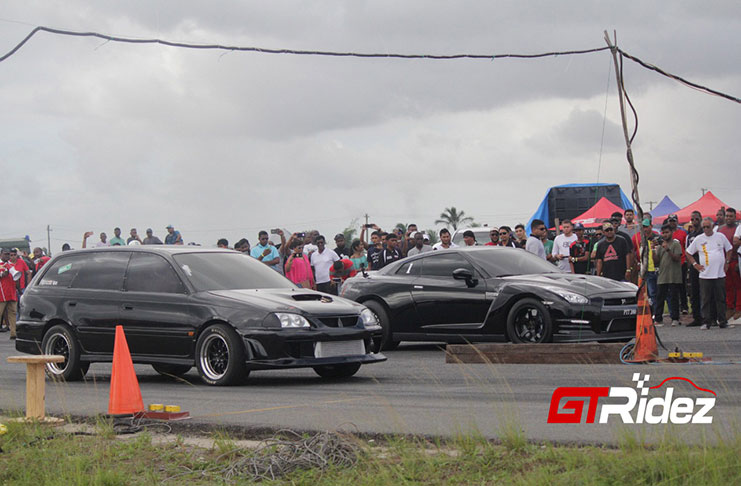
<point x="97" y="135"/>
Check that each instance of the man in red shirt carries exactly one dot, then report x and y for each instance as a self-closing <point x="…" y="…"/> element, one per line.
<point x="21" y="266"/>
<point x="39" y="260"/>
<point x="494" y="236"/>
<point x="679" y="234"/>
<point x="733" y="280"/>
<point x="8" y="295"/>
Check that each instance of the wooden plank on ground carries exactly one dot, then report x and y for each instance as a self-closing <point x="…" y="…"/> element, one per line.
<point x="506" y="353"/>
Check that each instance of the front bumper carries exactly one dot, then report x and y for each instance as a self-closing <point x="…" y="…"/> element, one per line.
<point x="602" y="319"/>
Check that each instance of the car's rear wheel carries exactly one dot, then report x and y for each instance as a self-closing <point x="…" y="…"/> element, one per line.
<point x="220" y="356"/>
<point x="171" y="369"/>
<point x="387" y="340"/>
<point x="337" y="371"/>
<point x="60" y="340"/>
<point x="529" y="321"/>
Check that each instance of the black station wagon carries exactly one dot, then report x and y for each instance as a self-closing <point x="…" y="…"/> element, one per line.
<point x="222" y="311"/>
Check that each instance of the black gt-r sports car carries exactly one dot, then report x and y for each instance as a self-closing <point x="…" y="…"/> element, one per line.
<point x="487" y="293"/>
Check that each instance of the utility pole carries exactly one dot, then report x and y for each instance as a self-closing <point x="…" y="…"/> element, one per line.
<point x="48" y="239"/>
<point x="703" y="189"/>
<point x="651" y="205"/>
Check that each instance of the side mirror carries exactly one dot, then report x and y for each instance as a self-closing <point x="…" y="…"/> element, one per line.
<point x="465" y="274"/>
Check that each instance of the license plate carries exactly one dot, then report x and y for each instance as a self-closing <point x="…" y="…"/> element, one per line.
<point x="332" y="349"/>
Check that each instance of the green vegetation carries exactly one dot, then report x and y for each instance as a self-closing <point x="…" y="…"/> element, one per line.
<point x="37" y="455"/>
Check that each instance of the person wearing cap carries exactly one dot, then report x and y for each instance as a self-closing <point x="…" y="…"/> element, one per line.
<point x="322" y="260"/>
<point x="494" y="237"/>
<point x="651" y="274"/>
<point x="419" y="245"/>
<point x="679" y="234"/>
<point x="714" y="252"/>
<point x="173" y="237"/>
<point x="562" y="246"/>
<point x="579" y="254"/>
<point x="8" y="293"/>
<point x="151" y="239"/>
<point x="133" y="236"/>
<point x="694" y="275"/>
<point x="613" y="255"/>
<point x="117" y="240"/>
<point x="340" y="248"/>
<point x="534" y="244"/>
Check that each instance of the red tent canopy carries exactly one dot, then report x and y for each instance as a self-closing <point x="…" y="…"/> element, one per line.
<point x="598" y="214"/>
<point x="708" y="205"/>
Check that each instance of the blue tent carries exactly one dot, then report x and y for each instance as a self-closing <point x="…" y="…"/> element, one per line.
<point x="666" y="206"/>
<point x="599" y="188"/>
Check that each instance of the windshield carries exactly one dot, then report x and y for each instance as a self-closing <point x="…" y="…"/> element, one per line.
<point x="499" y="262"/>
<point x="229" y="271"/>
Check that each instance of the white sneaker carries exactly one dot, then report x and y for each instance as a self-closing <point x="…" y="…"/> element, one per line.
<point x="658" y="324"/>
<point x="675" y="323"/>
<point x="735" y="321"/>
<point x="704" y="327"/>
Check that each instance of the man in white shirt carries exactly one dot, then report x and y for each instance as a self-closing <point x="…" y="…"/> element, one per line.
<point x="103" y="241"/>
<point x="562" y="246"/>
<point x="322" y="260"/>
<point x="714" y="253"/>
<point x="444" y="242"/>
<point x="533" y="243"/>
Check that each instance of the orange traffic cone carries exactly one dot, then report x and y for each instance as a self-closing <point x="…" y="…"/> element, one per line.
<point x="125" y="397"/>
<point x="646" y="348"/>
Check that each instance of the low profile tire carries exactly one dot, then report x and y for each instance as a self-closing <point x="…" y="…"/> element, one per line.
<point x="387" y="341"/>
<point x="220" y="356"/>
<point x="529" y="321"/>
<point x="60" y="340"/>
<point x="170" y="369"/>
<point x="337" y="371"/>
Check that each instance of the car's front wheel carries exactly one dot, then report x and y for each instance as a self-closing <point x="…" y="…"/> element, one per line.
<point x="529" y="321"/>
<point x="59" y="340"/>
<point x="387" y="340"/>
<point x="220" y="356"/>
<point x="337" y="371"/>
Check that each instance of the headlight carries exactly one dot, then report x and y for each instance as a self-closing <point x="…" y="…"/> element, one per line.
<point x="570" y="297"/>
<point x="292" y="320"/>
<point x="369" y="319"/>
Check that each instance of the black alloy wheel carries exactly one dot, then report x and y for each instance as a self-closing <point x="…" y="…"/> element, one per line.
<point x="529" y="321"/>
<point x="220" y="356"/>
<point x="387" y="341"/>
<point x="337" y="371"/>
<point x="59" y="340"/>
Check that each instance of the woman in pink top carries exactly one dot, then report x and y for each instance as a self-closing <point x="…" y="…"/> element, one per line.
<point x="298" y="267"/>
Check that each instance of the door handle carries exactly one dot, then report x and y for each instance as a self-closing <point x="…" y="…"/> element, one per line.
<point x="419" y="287"/>
<point x="128" y="307"/>
<point x="71" y="304"/>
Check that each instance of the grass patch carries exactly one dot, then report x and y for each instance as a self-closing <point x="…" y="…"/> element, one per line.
<point x="35" y="455"/>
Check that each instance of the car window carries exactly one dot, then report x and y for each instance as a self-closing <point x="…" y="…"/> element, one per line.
<point x="152" y="273"/>
<point x="442" y="264"/>
<point x="102" y="270"/>
<point x="499" y="262"/>
<point x="63" y="271"/>
<point x="410" y="268"/>
<point x="229" y="271"/>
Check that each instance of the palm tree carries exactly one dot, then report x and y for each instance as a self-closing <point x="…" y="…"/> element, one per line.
<point x="452" y="217"/>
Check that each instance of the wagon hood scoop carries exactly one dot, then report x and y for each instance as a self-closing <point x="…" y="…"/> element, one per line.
<point x="291" y="299"/>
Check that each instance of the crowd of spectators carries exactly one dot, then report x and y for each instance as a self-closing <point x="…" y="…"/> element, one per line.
<point x="693" y="268"/>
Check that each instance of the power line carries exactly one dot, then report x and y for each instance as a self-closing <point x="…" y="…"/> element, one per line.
<point x="298" y="52"/>
<point x="690" y="84"/>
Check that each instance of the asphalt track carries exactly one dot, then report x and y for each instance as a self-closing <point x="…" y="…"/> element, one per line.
<point x="415" y="392"/>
